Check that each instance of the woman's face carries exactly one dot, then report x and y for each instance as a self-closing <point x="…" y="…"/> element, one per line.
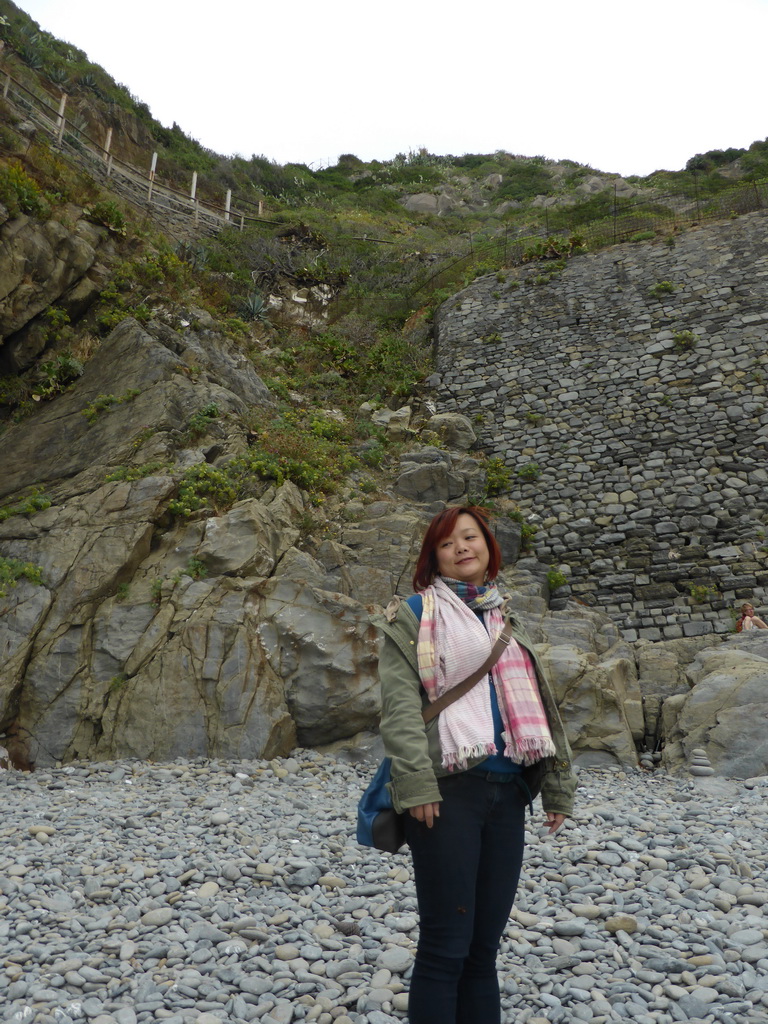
<point x="463" y="555"/>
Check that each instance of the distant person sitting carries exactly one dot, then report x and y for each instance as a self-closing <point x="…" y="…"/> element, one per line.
<point x="748" y="619"/>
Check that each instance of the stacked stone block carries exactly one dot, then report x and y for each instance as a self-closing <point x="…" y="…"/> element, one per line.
<point x="650" y="442"/>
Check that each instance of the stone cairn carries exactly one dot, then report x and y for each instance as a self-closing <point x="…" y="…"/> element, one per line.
<point x="699" y="763"/>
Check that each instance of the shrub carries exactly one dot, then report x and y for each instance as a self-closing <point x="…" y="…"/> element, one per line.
<point x="20" y="193"/>
<point x="556" y="579"/>
<point x="254" y="308"/>
<point x="498" y="476"/>
<point x="131" y="473"/>
<point x="661" y="288"/>
<point x="107" y="213"/>
<point x="196" y="569"/>
<point x="205" y="487"/>
<point x="700" y="592"/>
<point x="527" y="530"/>
<point x="529" y="472"/>
<point x="56" y="375"/>
<point x="103" y="402"/>
<point x="13" y="569"/>
<point x="36" y="502"/>
<point x="200" y="422"/>
<point x="684" y="341"/>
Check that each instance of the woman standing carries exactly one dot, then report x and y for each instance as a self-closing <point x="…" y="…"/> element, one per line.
<point x="466" y="778"/>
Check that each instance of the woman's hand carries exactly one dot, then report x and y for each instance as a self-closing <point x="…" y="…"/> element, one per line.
<point x="426" y="813"/>
<point x="554" y="821"/>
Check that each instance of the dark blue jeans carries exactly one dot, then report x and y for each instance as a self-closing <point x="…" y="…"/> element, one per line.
<point x="466" y="867"/>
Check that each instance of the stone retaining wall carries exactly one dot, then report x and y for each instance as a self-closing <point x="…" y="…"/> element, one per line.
<point x="651" y="456"/>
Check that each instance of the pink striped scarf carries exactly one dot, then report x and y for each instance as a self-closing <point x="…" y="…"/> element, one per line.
<point x="453" y="643"/>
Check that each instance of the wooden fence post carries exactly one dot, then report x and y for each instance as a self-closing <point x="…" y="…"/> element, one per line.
<point x="107" y="145"/>
<point x="152" y="176"/>
<point x="227" y="204"/>
<point x="7" y="85"/>
<point x="61" y="121"/>
<point x="193" y="191"/>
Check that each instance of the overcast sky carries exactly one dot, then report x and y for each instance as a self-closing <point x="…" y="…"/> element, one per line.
<point x="625" y="87"/>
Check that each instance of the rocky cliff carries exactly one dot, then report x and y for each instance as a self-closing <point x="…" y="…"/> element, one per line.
<point x="132" y="628"/>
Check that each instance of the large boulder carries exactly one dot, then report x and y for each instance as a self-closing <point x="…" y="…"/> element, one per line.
<point x="422" y="202"/>
<point x="726" y="710"/>
<point x="455" y="430"/>
<point x="599" y="700"/>
<point x="323" y="648"/>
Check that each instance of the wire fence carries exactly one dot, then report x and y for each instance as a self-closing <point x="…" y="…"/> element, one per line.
<point x="142" y="189"/>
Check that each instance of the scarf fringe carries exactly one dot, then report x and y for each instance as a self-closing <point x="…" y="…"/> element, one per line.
<point x="458" y="758"/>
<point x="527" y="751"/>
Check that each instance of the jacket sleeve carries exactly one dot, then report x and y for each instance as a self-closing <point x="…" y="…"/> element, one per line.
<point x="404" y="732"/>
<point x="558" y="788"/>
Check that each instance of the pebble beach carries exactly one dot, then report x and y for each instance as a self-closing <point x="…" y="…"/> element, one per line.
<point x="205" y="892"/>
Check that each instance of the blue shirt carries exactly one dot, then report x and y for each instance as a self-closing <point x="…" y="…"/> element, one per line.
<point x="495" y="762"/>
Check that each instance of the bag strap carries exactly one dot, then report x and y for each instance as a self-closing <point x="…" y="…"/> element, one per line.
<point x="456" y="692"/>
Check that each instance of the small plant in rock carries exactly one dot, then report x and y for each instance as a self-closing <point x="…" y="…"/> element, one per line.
<point x="490" y="338"/>
<point x="143" y="436"/>
<point x="103" y="402"/>
<point x="556" y="579"/>
<point x="200" y="422"/>
<point x="204" y="487"/>
<point x="36" y="502"/>
<point x="527" y="530"/>
<point x="661" y="288"/>
<point x="254" y="308"/>
<point x="108" y="214"/>
<point x="642" y="236"/>
<point x="130" y="473"/>
<point x="57" y="375"/>
<point x="19" y="193"/>
<point x="122" y="591"/>
<point x="57" y="324"/>
<point x="498" y="476"/>
<point x="700" y="592"/>
<point x="13" y="569"/>
<point x="684" y="341"/>
<point x="196" y="569"/>
<point x="156" y="592"/>
<point x="372" y="453"/>
<point x="529" y="472"/>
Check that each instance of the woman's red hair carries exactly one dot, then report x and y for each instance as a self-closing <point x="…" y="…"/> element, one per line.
<point x="443" y="526"/>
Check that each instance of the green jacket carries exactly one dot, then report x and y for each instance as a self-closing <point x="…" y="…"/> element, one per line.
<point x="415" y="747"/>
